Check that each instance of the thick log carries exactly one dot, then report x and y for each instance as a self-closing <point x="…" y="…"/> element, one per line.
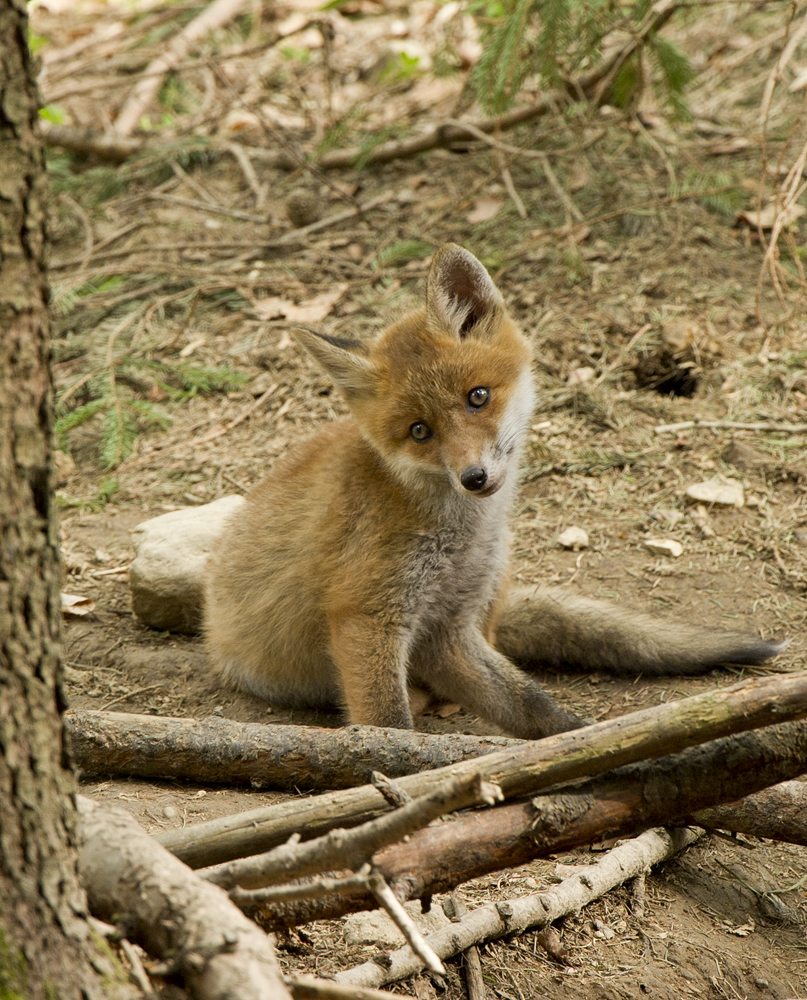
<point x="520" y="770"/>
<point x="171" y="912"/>
<point x="778" y="813"/>
<point x="220" y="751"/>
<point x="620" y="803"/>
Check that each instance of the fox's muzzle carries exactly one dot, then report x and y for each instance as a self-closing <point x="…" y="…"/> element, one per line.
<point x="474" y="478"/>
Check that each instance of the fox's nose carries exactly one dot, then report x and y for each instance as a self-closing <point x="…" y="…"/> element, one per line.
<point x="474" y="478"/>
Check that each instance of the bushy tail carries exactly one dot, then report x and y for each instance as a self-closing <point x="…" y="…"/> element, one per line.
<point x="557" y="629"/>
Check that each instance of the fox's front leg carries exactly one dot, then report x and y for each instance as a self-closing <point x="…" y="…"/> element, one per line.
<point x="466" y="669"/>
<point x="371" y="656"/>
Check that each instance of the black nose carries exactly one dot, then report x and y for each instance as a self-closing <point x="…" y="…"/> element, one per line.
<point x="474" y="478"/>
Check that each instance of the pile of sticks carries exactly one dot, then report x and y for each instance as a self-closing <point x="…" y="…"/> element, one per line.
<point x="720" y="760"/>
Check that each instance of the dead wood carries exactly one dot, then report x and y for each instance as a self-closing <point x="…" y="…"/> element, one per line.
<point x="514" y="916"/>
<point x="519" y="770"/>
<point x="309" y="988"/>
<point x="455" y="909"/>
<point x="221" y="751"/>
<point x="119" y="146"/>
<point x="216" y="15"/>
<point x="620" y="803"/>
<point x="778" y="813"/>
<point x="171" y="912"/>
<point x="352" y="848"/>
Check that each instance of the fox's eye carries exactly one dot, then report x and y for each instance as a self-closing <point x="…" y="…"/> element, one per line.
<point x="478" y="397"/>
<point x="420" y="432"/>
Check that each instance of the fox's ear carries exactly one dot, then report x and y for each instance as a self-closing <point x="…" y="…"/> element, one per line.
<point x="461" y="294"/>
<point x="344" y="360"/>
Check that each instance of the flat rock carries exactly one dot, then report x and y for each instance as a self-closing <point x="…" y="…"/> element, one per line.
<point x="728" y="492"/>
<point x="166" y="577"/>
<point x="664" y="547"/>
<point x="375" y="927"/>
<point x="573" y="538"/>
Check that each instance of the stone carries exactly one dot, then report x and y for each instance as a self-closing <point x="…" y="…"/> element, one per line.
<point x="375" y="927"/>
<point x="727" y="492"/>
<point x="573" y="538"/>
<point x="664" y="547"/>
<point x="166" y="577"/>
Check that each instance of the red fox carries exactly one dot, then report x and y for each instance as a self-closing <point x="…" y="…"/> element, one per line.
<point x="375" y="555"/>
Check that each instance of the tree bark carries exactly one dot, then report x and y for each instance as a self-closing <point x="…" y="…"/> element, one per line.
<point x="42" y="931"/>
<point x="778" y="813"/>
<point x="519" y="770"/>
<point x="171" y="912"/>
<point x="240" y="753"/>
<point x="620" y="803"/>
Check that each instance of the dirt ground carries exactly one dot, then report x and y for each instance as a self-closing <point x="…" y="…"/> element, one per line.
<point x="650" y="311"/>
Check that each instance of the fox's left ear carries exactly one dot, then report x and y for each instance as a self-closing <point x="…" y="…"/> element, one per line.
<point x="344" y="360"/>
<point x="461" y="294"/>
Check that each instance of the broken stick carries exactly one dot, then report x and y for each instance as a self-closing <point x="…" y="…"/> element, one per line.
<point x="619" y="803"/>
<point x="514" y="916"/>
<point x="170" y="911"/>
<point x="520" y="770"/>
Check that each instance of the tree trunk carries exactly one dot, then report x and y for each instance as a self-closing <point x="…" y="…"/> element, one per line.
<point x="42" y="930"/>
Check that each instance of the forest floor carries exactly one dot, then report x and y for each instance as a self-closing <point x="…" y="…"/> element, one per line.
<point x="171" y="320"/>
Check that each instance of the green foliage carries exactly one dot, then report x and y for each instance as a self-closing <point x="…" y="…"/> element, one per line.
<point x="106" y="490"/>
<point x="559" y="39"/>
<point x="675" y="71"/>
<point x="36" y="42"/>
<point x="373" y="141"/>
<point x="718" y="192"/>
<point x="406" y="250"/>
<point x="52" y="113"/>
<point x="399" y="68"/>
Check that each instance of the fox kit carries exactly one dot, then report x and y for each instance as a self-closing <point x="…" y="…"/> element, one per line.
<point x="375" y="555"/>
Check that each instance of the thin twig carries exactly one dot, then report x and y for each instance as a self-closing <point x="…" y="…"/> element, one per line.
<point x="387" y="898"/>
<point x="204" y="206"/>
<point x="353" y="848"/>
<point x="309" y="988"/>
<point x="569" y="206"/>
<point x="218" y="432"/>
<point x="315" y="889"/>
<point x="391" y="790"/>
<point x="216" y="15"/>
<point x="138" y="972"/>
<point x="514" y="916"/>
<point x="686" y="425"/>
<point x="455" y="909"/>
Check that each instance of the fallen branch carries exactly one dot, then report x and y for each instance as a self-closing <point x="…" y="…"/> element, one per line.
<point x="778" y="813"/>
<point x="686" y="425"/>
<point x="340" y="849"/>
<point x="395" y="911"/>
<point x="220" y="751"/>
<point x="219" y="13"/>
<point x="455" y="909"/>
<point x="309" y="988"/>
<point x="621" y="803"/>
<point x="520" y="770"/>
<point x="514" y="916"/>
<point x="170" y="911"/>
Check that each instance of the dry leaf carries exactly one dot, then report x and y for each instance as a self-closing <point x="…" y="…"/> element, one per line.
<point x="73" y="605"/>
<point x="578" y="176"/>
<point x="769" y="214"/>
<point x="447" y="710"/>
<point x="309" y="311"/>
<point x="485" y="209"/>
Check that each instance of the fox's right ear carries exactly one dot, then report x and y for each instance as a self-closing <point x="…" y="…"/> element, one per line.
<point x="344" y="360"/>
<point x="461" y="295"/>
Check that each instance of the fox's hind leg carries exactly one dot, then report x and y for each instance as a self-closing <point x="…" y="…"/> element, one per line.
<point x="463" y="667"/>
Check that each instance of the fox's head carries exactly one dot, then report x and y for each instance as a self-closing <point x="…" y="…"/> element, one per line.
<point x="445" y="393"/>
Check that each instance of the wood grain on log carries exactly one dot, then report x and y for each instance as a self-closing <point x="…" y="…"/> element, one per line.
<point x="778" y="813"/>
<point x="619" y="803"/>
<point x="519" y="770"/>
<point x="221" y="751"/>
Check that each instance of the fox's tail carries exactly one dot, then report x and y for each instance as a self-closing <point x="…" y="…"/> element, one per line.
<point x="552" y="628"/>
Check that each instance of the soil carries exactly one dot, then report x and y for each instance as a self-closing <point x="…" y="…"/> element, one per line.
<point x="658" y="314"/>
